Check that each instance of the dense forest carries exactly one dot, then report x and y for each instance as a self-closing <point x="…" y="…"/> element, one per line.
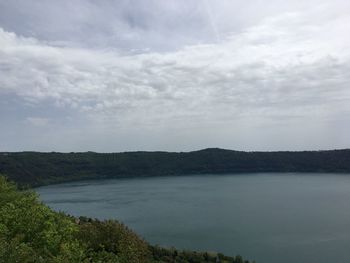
<point x="31" y="232"/>
<point x="35" y="168"/>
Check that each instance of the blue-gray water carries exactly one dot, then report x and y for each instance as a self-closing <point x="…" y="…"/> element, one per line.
<point x="272" y="218"/>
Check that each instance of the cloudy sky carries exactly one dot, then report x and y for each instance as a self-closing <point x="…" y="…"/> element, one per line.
<point x="78" y="75"/>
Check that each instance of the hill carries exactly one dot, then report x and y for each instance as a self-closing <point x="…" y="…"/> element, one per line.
<point x="37" y="168"/>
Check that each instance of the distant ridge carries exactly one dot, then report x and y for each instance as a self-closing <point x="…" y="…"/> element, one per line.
<point x="38" y="168"/>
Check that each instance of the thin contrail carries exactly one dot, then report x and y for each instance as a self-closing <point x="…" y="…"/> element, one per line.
<point x="211" y="20"/>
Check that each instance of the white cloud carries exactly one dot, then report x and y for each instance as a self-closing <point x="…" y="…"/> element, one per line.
<point x="291" y="66"/>
<point x="254" y="68"/>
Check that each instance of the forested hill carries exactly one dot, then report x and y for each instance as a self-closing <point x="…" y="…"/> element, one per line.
<point x="35" y="168"/>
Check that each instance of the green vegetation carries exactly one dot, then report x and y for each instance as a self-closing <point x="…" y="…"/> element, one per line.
<point x="32" y="232"/>
<point x="34" y="169"/>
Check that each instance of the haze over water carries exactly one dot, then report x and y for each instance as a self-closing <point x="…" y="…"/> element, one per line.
<point x="270" y="218"/>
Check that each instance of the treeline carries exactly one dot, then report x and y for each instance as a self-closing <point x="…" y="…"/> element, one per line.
<point x="30" y="232"/>
<point x="35" y="168"/>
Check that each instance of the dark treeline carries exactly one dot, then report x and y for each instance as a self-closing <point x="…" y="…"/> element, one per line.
<point x="35" y="168"/>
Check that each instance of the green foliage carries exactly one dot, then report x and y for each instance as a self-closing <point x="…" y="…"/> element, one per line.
<point x="174" y="255"/>
<point x="30" y="232"/>
<point x="112" y="237"/>
<point x="33" y="168"/>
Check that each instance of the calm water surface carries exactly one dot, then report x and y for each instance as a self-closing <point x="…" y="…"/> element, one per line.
<point x="271" y="218"/>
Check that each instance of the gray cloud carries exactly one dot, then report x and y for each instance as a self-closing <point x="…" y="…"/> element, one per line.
<point x="278" y="84"/>
<point x="127" y="25"/>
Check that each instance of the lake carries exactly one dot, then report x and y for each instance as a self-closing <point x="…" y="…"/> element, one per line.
<point x="270" y="218"/>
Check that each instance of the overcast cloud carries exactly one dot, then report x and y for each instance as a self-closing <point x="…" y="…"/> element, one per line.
<point x="174" y="75"/>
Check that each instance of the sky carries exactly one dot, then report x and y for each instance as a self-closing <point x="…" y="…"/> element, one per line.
<point x="112" y="76"/>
